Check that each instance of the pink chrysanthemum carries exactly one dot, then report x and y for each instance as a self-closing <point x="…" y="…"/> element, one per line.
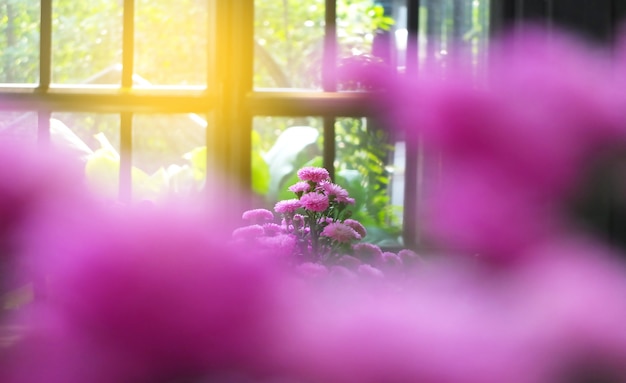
<point x="257" y="215"/>
<point x="368" y="253"/>
<point x="281" y="245"/>
<point x="300" y="187"/>
<point x="357" y="226"/>
<point x="272" y="229"/>
<point x="248" y="232"/>
<point x="334" y="191"/>
<point x="315" y="202"/>
<point x="341" y="233"/>
<point x="392" y="260"/>
<point x="313" y="174"/>
<point x="349" y="262"/>
<point x="287" y="206"/>
<point x="410" y="258"/>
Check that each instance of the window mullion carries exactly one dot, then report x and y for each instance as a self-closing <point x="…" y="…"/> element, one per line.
<point x="45" y="68"/>
<point x="329" y="81"/>
<point x="126" y="144"/>
<point x="126" y="118"/>
<point x="329" y="78"/>
<point x="45" y="45"/>
<point x="128" y="44"/>
<point x="413" y="162"/>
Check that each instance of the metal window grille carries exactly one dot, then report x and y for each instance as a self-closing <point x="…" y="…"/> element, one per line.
<point x="228" y="97"/>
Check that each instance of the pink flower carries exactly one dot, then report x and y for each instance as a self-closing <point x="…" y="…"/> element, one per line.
<point x="339" y="232"/>
<point x="392" y="265"/>
<point x="368" y="253"/>
<point x="392" y="260"/>
<point x="300" y="187"/>
<point x="410" y="258"/>
<point x="349" y="262"/>
<point x="357" y="226"/>
<point x="315" y="202"/>
<point x="258" y="215"/>
<point x="198" y="305"/>
<point x="334" y="192"/>
<point x="280" y="245"/>
<point x="248" y="232"/>
<point x="272" y="229"/>
<point x="313" y="174"/>
<point x="289" y="206"/>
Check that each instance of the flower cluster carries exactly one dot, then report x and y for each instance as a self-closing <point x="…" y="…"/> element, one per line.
<point x="161" y="294"/>
<point x="314" y="231"/>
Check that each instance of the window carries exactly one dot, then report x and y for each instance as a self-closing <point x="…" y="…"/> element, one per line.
<point x="173" y="88"/>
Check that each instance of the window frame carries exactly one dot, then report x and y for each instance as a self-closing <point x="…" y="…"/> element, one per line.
<point x="229" y="99"/>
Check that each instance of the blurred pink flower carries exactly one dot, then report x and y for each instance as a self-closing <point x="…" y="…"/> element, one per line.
<point x="257" y="216"/>
<point x="145" y="297"/>
<point x="272" y="229"/>
<point x="515" y="147"/>
<point x="339" y="232"/>
<point x="248" y="232"/>
<point x="289" y="206"/>
<point x="42" y="191"/>
<point x="410" y="258"/>
<point x="281" y="245"/>
<point x="357" y="226"/>
<point x="368" y="253"/>
<point x="480" y="210"/>
<point x="392" y="261"/>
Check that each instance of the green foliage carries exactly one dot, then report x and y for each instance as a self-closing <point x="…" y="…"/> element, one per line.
<point x="260" y="168"/>
<point x="19" y="36"/>
<point x="180" y="58"/>
<point x="87" y="38"/>
<point x="364" y="152"/>
<point x="295" y="146"/>
<point x="289" y="36"/>
<point x="103" y="167"/>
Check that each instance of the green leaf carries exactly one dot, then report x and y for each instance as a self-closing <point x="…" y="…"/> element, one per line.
<point x="283" y="158"/>
<point x="197" y="158"/>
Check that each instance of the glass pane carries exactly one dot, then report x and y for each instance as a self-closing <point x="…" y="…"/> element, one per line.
<point x="453" y="27"/>
<point x="86" y="41"/>
<point x="366" y="165"/>
<point x="281" y="146"/>
<point x="169" y="155"/>
<point x="94" y="141"/>
<point x="19" y="127"/>
<point x="171" y="42"/>
<point x="19" y="41"/>
<point x="288" y="43"/>
<point x="365" y="36"/>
